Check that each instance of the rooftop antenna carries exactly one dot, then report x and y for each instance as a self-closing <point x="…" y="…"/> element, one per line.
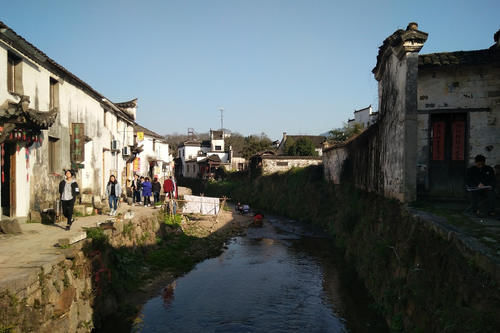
<point x="221" y="109"/>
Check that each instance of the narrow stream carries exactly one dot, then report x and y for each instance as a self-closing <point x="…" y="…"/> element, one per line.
<point x="282" y="277"/>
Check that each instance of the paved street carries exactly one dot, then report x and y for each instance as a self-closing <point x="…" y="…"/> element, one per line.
<point x="22" y="256"/>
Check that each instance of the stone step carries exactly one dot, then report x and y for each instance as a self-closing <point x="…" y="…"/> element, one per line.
<point x="72" y="239"/>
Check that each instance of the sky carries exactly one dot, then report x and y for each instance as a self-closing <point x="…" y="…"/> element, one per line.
<point x="274" y="66"/>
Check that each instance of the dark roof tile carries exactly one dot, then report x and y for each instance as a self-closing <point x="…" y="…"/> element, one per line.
<point x="475" y="57"/>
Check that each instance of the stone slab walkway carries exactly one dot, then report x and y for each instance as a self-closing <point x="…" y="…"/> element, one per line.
<point x="22" y="256"/>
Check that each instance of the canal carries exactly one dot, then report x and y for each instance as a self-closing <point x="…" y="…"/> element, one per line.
<point x="282" y="277"/>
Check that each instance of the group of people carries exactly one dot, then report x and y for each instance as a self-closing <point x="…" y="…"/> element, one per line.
<point x="143" y="188"/>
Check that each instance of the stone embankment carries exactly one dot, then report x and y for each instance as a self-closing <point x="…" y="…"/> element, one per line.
<point x="426" y="273"/>
<point x="46" y="287"/>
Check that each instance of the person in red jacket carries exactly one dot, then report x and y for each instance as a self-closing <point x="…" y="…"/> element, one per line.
<point x="168" y="187"/>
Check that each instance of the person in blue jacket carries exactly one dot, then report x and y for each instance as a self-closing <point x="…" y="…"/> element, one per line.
<point x="146" y="192"/>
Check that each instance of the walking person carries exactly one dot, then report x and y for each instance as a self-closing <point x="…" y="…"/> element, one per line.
<point x="156" y="186"/>
<point x="168" y="187"/>
<point x="68" y="190"/>
<point x="146" y="192"/>
<point x="136" y="189"/>
<point x="113" y="191"/>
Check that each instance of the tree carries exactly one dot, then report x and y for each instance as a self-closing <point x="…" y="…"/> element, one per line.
<point x="256" y="143"/>
<point x="236" y="141"/>
<point x="345" y="133"/>
<point x="301" y="147"/>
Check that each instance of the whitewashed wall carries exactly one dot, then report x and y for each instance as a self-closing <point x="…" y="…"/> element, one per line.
<point x="34" y="184"/>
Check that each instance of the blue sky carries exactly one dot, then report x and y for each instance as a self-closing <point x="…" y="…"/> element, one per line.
<point x="274" y="66"/>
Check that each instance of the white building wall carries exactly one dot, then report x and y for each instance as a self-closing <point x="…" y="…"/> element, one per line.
<point x="32" y="175"/>
<point x="187" y="153"/>
<point x="160" y="153"/>
<point x="217" y="143"/>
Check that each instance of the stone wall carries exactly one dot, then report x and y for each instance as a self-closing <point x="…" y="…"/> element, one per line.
<point x="382" y="159"/>
<point x="63" y="296"/>
<point x="333" y="161"/>
<point x="271" y="164"/>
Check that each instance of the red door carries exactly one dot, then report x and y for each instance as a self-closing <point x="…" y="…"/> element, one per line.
<point x="447" y="165"/>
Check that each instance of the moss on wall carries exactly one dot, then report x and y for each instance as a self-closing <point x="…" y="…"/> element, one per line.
<point x="421" y="281"/>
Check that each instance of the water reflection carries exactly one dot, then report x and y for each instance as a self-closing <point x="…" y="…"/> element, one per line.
<point x="267" y="281"/>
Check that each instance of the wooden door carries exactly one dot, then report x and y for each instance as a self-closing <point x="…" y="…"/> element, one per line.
<point x="13" y="183"/>
<point x="9" y="180"/>
<point x="447" y="165"/>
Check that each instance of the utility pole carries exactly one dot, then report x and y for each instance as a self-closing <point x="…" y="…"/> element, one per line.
<point x="221" y="109"/>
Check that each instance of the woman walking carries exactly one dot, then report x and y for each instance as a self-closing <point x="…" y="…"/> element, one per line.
<point x="156" y="190"/>
<point x="113" y="191"/>
<point x="68" y="190"/>
<point x="146" y="192"/>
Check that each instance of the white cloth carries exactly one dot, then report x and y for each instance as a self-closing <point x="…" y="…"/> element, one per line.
<point x="201" y="205"/>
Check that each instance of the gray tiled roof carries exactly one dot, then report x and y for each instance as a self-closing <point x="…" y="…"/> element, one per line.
<point x="475" y="57"/>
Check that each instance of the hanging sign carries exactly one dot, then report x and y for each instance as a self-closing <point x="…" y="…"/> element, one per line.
<point x="458" y="140"/>
<point x="77" y="146"/>
<point x="140" y="136"/>
<point x="137" y="164"/>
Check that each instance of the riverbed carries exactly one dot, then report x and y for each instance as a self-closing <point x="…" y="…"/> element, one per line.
<point x="281" y="277"/>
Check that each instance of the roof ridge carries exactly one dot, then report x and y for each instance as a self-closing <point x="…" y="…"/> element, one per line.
<point x="43" y="59"/>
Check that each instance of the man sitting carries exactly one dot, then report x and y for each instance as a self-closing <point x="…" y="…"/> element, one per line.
<point x="481" y="184"/>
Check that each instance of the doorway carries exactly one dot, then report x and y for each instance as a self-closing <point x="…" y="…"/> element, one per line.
<point x="9" y="180"/>
<point x="447" y="167"/>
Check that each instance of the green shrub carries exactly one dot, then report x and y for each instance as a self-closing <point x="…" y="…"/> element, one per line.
<point x="173" y="219"/>
<point x="99" y="238"/>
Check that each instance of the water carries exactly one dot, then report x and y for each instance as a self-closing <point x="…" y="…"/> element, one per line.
<point x="278" y="278"/>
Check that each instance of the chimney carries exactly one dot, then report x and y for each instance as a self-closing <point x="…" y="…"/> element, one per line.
<point x="284" y="137"/>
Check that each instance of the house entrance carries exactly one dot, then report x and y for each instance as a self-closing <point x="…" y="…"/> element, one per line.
<point x="9" y="179"/>
<point x="447" y="165"/>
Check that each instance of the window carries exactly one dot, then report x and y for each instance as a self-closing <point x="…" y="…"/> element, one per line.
<point x="282" y="163"/>
<point x="14" y="74"/>
<point x="54" y="94"/>
<point x="154" y="145"/>
<point x="53" y="153"/>
<point x="218" y="147"/>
